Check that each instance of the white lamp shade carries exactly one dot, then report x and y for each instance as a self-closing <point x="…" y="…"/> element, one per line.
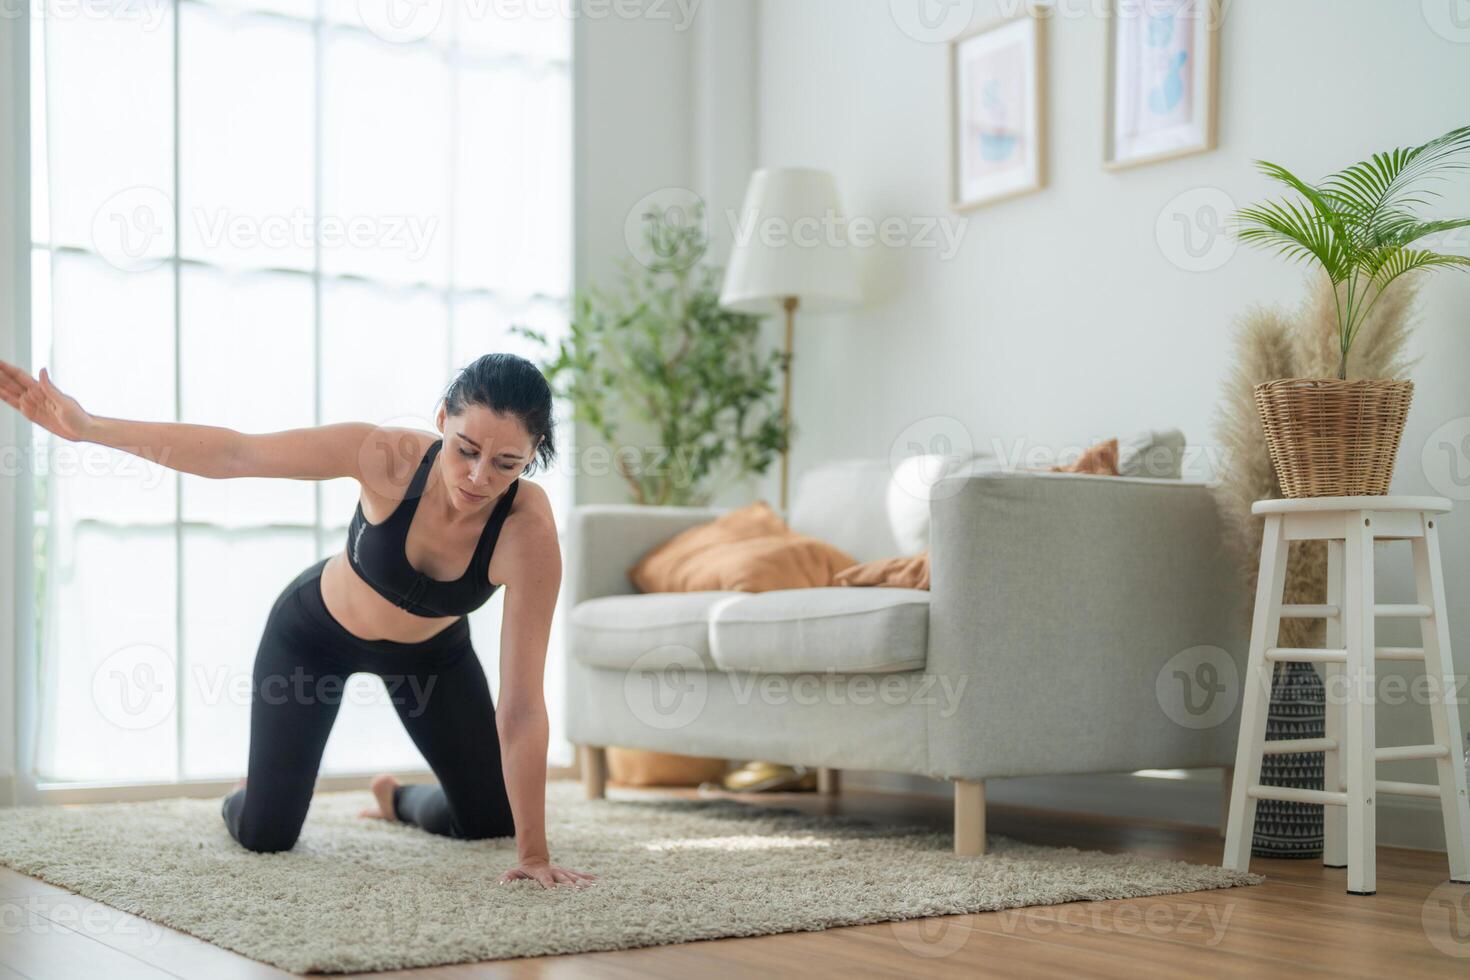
<point x="790" y="243"/>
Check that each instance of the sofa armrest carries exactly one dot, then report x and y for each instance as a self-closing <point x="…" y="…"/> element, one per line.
<point x="608" y="539"/>
<point x="1058" y="599"/>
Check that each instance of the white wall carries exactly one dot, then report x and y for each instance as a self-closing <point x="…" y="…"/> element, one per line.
<point x="665" y="106"/>
<point x="14" y="245"/>
<point x="1061" y="318"/>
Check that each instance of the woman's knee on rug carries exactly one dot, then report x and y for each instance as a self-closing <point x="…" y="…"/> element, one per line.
<point x="257" y="832"/>
<point x="480" y="807"/>
<point x="482" y="826"/>
<point x="429" y="808"/>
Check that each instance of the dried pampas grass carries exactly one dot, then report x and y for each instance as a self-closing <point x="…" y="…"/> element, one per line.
<point x="1269" y="345"/>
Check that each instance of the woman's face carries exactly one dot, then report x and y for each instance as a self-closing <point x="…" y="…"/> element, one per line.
<point x="483" y="453"/>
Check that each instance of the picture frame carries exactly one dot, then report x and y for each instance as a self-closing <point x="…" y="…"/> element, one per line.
<point x="997" y="118"/>
<point x="1161" y="88"/>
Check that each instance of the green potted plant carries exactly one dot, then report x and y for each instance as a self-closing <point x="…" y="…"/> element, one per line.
<point x="664" y="352"/>
<point x="1339" y="436"/>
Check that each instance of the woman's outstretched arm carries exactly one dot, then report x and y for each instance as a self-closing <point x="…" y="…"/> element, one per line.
<point x="316" y="453"/>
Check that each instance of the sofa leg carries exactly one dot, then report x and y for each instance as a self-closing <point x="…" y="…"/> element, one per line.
<point x="969" y="817"/>
<point x="1227" y="781"/>
<point x="829" y="781"/>
<point x="594" y="771"/>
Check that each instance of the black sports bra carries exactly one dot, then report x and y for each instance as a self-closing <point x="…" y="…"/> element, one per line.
<point x="376" y="552"/>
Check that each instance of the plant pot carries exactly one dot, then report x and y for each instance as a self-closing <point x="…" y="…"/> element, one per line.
<point x="1330" y="438"/>
<point x="1298" y="710"/>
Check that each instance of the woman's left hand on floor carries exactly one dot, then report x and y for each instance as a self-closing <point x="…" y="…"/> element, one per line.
<point x="548" y="874"/>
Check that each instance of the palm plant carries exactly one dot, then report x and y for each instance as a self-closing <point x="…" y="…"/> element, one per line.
<point x="1358" y="224"/>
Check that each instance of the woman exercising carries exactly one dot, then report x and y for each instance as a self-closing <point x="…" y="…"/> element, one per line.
<point x="441" y="523"/>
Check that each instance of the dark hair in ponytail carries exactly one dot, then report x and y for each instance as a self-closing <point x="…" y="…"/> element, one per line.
<point x="508" y="384"/>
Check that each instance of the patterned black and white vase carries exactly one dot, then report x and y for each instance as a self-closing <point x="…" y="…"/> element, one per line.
<point x="1285" y="829"/>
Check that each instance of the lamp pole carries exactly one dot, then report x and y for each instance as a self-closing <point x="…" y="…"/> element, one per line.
<point x="788" y="304"/>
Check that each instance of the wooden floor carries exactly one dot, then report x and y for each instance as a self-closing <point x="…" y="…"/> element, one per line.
<point x="1301" y="921"/>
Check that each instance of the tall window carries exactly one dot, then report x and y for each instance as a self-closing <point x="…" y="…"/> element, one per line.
<point x="264" y="214"/>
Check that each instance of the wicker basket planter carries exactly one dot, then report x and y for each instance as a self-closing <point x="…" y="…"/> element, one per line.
<point x="1330" y="438"/>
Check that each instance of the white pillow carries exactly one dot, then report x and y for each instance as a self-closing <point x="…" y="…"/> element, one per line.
<point x="1157" y="453"/>
<point x="913" y="486"/>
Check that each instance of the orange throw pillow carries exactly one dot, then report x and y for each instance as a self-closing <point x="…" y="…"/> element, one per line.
<point x="750" y="549"/>
<point x="1101" y="460"/>
<point x="895" y="573"/>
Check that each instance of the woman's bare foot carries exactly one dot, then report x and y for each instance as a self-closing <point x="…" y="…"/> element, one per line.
<point x="382" y="786"/>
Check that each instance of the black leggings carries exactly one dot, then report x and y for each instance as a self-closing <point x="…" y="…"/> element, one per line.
<point x="437" y="686"/>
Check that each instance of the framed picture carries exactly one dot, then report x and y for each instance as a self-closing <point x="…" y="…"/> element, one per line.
<point x="1162" y="75"/>
<point x="997" y="111"/>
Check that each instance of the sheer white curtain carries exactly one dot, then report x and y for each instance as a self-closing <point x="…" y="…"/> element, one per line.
<point x="264" y="215"/>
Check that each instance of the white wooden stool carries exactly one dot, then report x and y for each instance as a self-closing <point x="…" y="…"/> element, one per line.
<point x="1350" y="525"/>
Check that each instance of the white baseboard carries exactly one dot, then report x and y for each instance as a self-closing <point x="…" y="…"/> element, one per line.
<point x="1194" y="799"/>
<point x="68" y="793"/>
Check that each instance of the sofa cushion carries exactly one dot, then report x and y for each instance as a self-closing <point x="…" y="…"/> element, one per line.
<point x="614" y="631"/>
<point x="747" y="550"/>
<point x="844" y="630"/>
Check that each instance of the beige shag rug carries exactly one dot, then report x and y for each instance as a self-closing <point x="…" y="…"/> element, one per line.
<point x="358" y="894"/>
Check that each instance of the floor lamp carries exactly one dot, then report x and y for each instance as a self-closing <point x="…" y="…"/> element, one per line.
<point x="790" y="253"/>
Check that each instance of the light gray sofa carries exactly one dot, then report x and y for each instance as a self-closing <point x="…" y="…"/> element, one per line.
<point x="1057" y="603"/>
